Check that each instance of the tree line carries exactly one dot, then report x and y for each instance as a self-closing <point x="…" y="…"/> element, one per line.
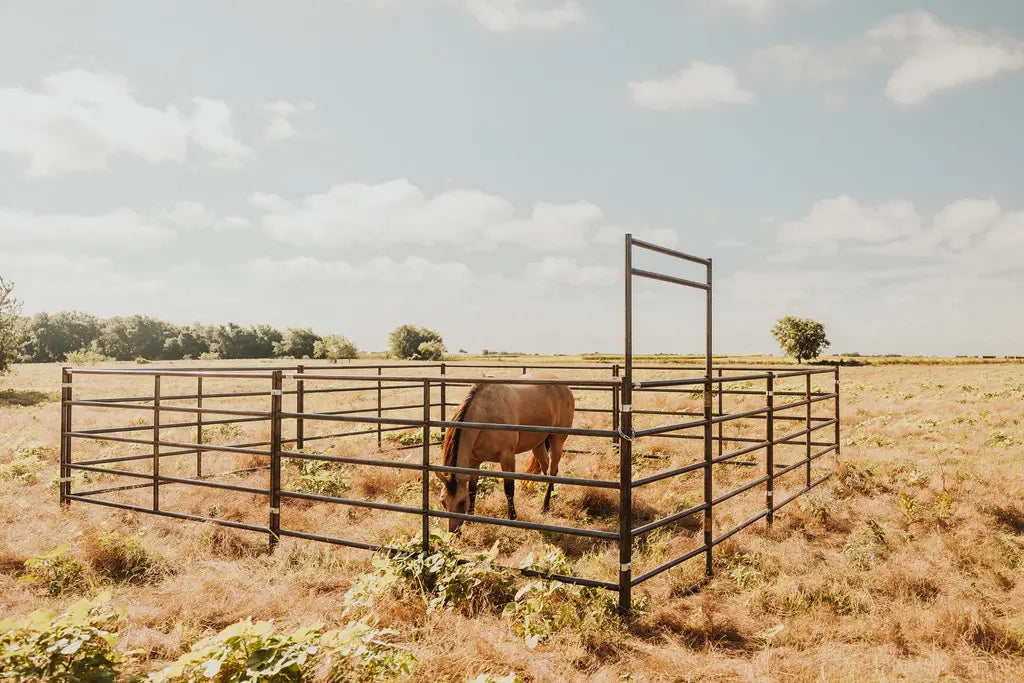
<point x="51" y="337"/>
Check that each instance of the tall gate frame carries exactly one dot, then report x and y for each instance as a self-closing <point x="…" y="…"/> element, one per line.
<point x="621" y="388"/>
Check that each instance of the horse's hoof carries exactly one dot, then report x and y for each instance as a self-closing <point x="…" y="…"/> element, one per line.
<point x="512" y="515"/>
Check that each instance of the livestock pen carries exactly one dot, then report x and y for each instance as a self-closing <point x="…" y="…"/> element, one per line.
<point x="344" y="454"/>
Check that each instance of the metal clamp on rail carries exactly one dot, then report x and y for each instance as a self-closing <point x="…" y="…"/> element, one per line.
<point x="275" y="511"/>
<point x="626" y="408"/>
<point x="277" y="392"/>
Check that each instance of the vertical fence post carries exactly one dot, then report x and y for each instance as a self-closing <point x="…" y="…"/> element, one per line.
<point x="807" y="397"/>
<point x="300" y="407"/>
<point x="626" y="449"/>
<point x="720" y="409"/>
<point x="275" y="457"/>
<point x="379" y="412"/>
<point x="199" y="428"/>
<point x="708" y="464"/>
<point x="769" y="436"/>
<point x="425" y="493"/>
<point x="444" y="400"/>
<point x="65" y="440"/>
<point x="156" y="442"/>
<point x="615" y="403"/>
<point x="837" y="411"/>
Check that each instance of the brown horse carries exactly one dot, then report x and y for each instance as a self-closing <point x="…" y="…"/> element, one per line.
<point x="544" y="405"/>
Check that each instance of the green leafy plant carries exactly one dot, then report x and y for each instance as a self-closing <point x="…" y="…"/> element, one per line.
<point x="122" y="558"/>
<point x="58" y="572"/>
<point x="251" y="652"/>
<point x="76" y="646"/>
<point x="87" y="357"/>
<point x="321" y="478"/>
<point x="411" y="438"/>
<point x="544" y="607"/>
<point x="24" y="465"/>
<point x="443" y="576"/>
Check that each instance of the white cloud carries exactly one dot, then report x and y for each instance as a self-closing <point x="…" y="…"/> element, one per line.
<point x="562" y="270"/>
<point x="698" y="86"/>
<point x="213" y="130"/>
<point x="80" y="119"/>
<point x="281" y="114"/>
<point x="188" y="215"/>
<point x="381" y="271"/>
<point x="925" y="57"/>
<point x="122" y="227"/>
<point x="978" y="230"/>
<point x="752" y="9"/>
<point x="613" y="234"/>
<point x="505" y="16"/>
<point x="399" y="213"/>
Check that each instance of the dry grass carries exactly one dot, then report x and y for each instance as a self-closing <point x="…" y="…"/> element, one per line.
<point x="905" y="565"/>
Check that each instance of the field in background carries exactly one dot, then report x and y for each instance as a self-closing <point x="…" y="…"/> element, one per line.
<point x="905" y="564"/>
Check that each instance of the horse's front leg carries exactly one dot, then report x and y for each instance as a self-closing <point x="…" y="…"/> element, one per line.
<point x="508" y="464"/>
<point x="472" y="495"/>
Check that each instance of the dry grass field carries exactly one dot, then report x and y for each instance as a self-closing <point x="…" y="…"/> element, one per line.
<point x="905" y="565"/>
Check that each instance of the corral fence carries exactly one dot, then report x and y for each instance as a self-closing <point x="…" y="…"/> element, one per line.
<point x="181" y="442"/>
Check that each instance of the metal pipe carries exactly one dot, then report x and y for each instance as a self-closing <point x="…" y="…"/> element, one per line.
<point x="300" y="407"/>
<point x="626" y="437"/>
<point x="770" y="448"/>
<point x="199" y="426"/>
<point x="425" y="474"/>
<point x="670" y="252"/>
<point x="276" y="385"/>
<point x="669" y="278"/>
<point x="709" y="464"/>
<point x="156" y="443"/>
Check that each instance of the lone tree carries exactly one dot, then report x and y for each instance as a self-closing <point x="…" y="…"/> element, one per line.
<point x="334" y="346"/>
<point x="10" y="336"/>
<point x="416" y="343"/>
<point x="800" y="337"/>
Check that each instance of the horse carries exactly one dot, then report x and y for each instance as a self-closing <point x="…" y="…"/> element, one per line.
<point x="543" y="405"/>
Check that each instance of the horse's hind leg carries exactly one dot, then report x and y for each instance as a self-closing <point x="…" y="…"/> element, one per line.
<point x="508" y="464"/>
<point x="557" y="441"/>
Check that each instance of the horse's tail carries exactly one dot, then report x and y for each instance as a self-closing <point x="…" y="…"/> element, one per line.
<point x="450" y="446"/>
<point x="533" y="467"/>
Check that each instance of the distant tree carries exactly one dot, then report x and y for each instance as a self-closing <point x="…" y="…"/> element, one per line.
<point x="800" y="337"/>
<point x="266" y="337"/>
<point x="297" y="343"/>
<point x="50" y="338"/>
<point x="406" y="341"/>
<point x="134" y="336"/>
<point x="191" y="341"/>
<point x="334" y="347"/>
<point x="430" y="350"/>
<point x="10" y="325"/>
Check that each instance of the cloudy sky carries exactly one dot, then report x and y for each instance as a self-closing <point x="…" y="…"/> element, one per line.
<point x="472" y="165"/>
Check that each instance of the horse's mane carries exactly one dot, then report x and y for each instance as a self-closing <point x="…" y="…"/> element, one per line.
<point x="450" y="446"/>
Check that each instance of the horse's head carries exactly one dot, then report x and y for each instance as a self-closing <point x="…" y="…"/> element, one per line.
<point x="455" y="499"/>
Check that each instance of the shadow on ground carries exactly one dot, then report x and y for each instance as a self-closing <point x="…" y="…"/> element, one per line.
<point x="26" y="397"/>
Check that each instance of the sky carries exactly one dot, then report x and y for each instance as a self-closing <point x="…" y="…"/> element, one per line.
<point x="472" y="166"/>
